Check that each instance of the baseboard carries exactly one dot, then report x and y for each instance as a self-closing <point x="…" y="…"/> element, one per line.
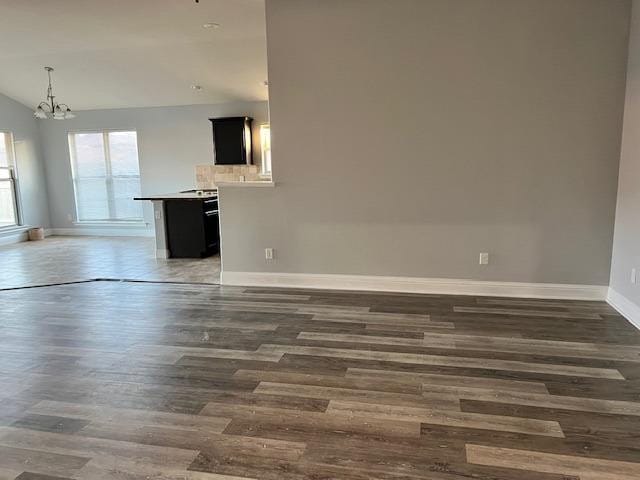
<point x="625" y="307"/>
<point x="18" y="235"/>
<point x="441" y="286"/>
<point x="11" y="237"/>
<point x="104" y="231"/>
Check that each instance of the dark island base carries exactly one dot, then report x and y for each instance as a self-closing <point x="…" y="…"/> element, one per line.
<point x="193" y="229"/>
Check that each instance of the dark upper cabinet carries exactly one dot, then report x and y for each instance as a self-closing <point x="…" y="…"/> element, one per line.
<point x="232" y="140"/>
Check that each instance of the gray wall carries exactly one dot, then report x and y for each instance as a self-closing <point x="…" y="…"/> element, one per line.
<point x="626" y="248"/>
<point x="411" y="135"/>
<point x="18" y="119"/>
<point x="171" y="142"/>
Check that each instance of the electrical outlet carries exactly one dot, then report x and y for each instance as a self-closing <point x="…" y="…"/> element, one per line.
<point x="268" y="253"/>
<point x="484" y="258"/>
<point x="634" y="276"/>
<point x="69" y="217"/>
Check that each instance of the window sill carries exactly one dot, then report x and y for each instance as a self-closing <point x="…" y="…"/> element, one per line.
<point x="112" y="224"/>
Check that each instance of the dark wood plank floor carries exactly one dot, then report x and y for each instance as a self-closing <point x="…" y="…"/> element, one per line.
<point x="110" y="380"/>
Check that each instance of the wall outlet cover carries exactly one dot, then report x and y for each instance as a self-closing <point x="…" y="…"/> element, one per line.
<point x="268" y="253"/>
<point x="484" y="258"/>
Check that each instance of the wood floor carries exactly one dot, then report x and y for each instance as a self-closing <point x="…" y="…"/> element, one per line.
<point x="118" y="380"/>
<point x="69" y="259"/>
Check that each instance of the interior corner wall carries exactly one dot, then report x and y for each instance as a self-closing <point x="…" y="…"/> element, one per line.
<point x="171" y="142"/>
<point x="626" y="247"/>
<point x="408" y="136"/>
<point x="32" y="188"/>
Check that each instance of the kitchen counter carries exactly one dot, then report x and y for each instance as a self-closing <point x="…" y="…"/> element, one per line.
<point x="186" y="195"/>
<point x="256" y="183"/>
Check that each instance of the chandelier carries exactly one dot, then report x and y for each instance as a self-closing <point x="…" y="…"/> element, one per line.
<point x="50" y="108"/>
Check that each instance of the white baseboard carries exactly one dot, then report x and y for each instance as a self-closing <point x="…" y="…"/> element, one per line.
<point x="18" y="235"/>
<point x="625" y="307"/>
<point x="96" y="231"/>
<point x="441" y="286"/>
<point x="12" y="237"/>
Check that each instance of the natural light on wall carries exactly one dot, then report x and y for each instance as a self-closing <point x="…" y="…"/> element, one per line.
<point x="265" y="143"/>
<point x="8" y="197"/>
<point x="106" y="176"/>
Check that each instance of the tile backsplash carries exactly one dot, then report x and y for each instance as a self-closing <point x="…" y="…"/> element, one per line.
<point x="207" y="176"/>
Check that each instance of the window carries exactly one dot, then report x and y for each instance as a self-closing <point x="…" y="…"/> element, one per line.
<point x="265" y="143"/>
<point x="8" y="190"/>
<point x="106" y="176"/>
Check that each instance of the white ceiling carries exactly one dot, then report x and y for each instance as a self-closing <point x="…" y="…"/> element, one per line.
<point x="133" y="53"/>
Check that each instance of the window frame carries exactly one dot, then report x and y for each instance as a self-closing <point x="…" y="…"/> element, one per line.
<point x="108" y="175"/>
<point x="264" y="150"/>
<point x="12" y="180"/>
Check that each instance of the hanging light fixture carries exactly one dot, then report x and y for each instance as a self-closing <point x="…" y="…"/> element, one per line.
<point x="51" y="109"/>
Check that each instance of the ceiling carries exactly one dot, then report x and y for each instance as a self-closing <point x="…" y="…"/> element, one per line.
<point x="125" y="53"/>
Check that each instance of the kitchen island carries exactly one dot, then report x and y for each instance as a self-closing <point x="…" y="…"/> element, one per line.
<point x="186" y="223"/>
